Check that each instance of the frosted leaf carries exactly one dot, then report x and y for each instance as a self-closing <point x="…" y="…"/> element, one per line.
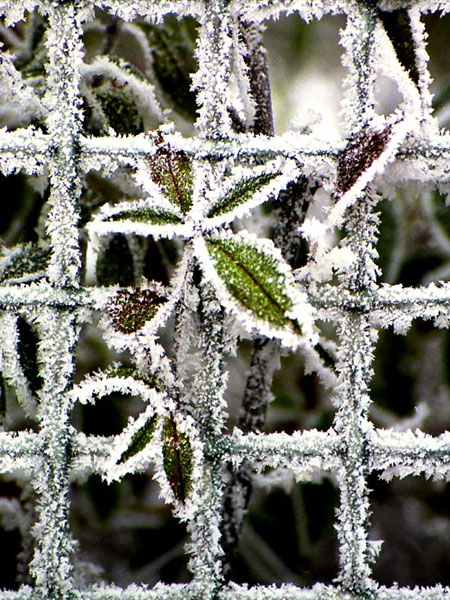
<point x="172" y="172"/>
<point x="247" y="189"/>
<point x="118" y="370"/>
<point x="252" y="278"/>
<point x="141" y="213"/>
<point x="122" y="94"/>
<point x="397" y="24"/>
<point x="253" y="282"/>
<point x="140" y="439"/>
<point x="143" y="342"/>
<point x="169" y="441"/>
<point x="24" y="263"/>
<point x="363" y="158"/>
<point x="177" y="459"/>
<point x="139" y="217"/>
<point x="359" y="154"/>
<point x="134" y="449"/>
<point x="239" y="194"/>
<point x="130" y="309"/>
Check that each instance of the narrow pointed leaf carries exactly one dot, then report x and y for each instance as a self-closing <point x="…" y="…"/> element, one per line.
<point x="397" y="24"/>
<point x="27" y="349"/>
<point x="172" y="172"/>
<point x="145" y="215"/>
<point x="242" y="192"/>
<point x="253" y="277"/>
<point x="124" y="371"/>
<point x="24" y="263"/>
<point x="359" y="154"/>
<point x="177" y="459"/>
<point x="130" y="310"/>
<point x="140" y="439"/>
<point x="115" y="263"/>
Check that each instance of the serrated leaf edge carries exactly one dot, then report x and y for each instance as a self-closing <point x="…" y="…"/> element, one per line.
<point x="251" y="323"/>
<point x="268" y="191"/>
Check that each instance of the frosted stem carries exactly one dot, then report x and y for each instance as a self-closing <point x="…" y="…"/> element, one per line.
<point x="51" y="565"/>
<point x="209" y="411"/>
<point x="258" y="72"/>
<point x="292" y="204"/>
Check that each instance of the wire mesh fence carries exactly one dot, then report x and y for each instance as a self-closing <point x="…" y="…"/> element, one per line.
<point x="181" y="431"/>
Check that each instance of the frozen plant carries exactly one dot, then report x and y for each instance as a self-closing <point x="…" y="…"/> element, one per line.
<point x="164" y="224"/>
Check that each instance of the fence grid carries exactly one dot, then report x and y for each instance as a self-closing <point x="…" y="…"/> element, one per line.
<point x="416" y="152"/>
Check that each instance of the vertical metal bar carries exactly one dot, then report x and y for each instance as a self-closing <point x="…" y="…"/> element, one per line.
<point x="356" y="335"/>
<point x="51" y="565"/>
<point x="211" y="81"/>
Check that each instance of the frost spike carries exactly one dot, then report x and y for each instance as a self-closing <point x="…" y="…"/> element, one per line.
<point x="177" y="459"/>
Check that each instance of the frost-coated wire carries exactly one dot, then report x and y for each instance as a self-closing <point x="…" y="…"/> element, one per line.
<point x="352" y="449"/>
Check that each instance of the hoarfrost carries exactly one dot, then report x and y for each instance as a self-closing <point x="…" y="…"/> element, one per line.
<point x="181" y="432"/>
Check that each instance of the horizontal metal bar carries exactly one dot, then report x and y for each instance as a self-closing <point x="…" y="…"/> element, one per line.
<point x="43" y="294"/>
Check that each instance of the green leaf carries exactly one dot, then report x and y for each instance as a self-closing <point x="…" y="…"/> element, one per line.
<point x="26" y="262"/>
<point x="120" y="111"/>
<point x="130" y="310"/>
<point x="242" y="192"/>
<point x="172" y="45"/>
<point x="177" y="459"/>
<point x="140" y="439"/>
<point x="146" y="215"/>
<point x="115" y="263"/>
<point x="124" y="371"/>
<point x="172" y="172"/>
<point x="398" y="28"/>
<point x="253" y="278"/>
<point x="27" y="349"/>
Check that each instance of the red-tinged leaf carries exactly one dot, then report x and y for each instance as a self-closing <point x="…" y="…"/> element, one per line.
<point x="172" y="172"/>
<point x="177" y="459"/>
<point x="130" y="310"/>
<point x="359" y="154"/>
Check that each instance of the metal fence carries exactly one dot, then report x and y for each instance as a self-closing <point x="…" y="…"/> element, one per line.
<point x="353" y="448"/>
